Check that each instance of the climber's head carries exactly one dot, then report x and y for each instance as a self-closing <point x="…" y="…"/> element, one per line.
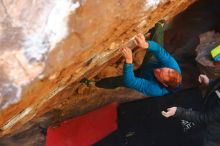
<point x="168" y="77"/>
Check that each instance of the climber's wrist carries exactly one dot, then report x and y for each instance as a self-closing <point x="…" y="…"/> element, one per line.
<point x="128" y="61"/>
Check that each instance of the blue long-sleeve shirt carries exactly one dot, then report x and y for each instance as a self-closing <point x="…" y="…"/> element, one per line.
<point x="147" y="83"/>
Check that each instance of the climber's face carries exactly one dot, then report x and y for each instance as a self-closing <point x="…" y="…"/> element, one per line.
<point x="163" y="75"/>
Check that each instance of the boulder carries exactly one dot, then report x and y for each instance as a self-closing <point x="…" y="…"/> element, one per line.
<point x="47" y="47"/>
<point x="208" y="41"/>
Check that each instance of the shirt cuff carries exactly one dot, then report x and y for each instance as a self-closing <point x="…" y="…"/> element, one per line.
<point x="151" y="45"/>
<point x="179" y="111"/>
<point x="128" y="65"/>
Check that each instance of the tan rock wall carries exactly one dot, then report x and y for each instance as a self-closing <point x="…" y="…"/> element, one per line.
<point x="48" y="45"/>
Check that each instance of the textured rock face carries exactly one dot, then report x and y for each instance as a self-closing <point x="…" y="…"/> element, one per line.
<point x="208" y="41"/>
<point x="29" y="32"/>
<point x="48" y="45"/>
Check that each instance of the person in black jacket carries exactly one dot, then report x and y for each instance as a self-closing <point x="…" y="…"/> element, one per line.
<point x="210" y="116"/>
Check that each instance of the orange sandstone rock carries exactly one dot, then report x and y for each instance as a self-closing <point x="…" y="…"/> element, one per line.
<point x="48" y="46"/>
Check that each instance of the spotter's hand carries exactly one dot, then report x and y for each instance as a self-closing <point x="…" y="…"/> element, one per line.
<point x="203" y="79"/>
<point x="170" y="112"/>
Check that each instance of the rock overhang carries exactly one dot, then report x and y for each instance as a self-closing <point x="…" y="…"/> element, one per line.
<point x="47" y="46"/>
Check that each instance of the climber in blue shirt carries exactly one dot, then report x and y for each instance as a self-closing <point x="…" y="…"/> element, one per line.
<point x="156" y="78"/>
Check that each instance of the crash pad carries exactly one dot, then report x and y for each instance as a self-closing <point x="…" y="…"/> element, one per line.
<point x="84" y="130"/>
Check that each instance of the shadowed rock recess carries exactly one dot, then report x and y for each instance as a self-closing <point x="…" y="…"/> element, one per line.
<point x="47" y="47"/>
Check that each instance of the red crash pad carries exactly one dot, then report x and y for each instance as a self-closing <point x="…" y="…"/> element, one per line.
<point x="84" y="130"/>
